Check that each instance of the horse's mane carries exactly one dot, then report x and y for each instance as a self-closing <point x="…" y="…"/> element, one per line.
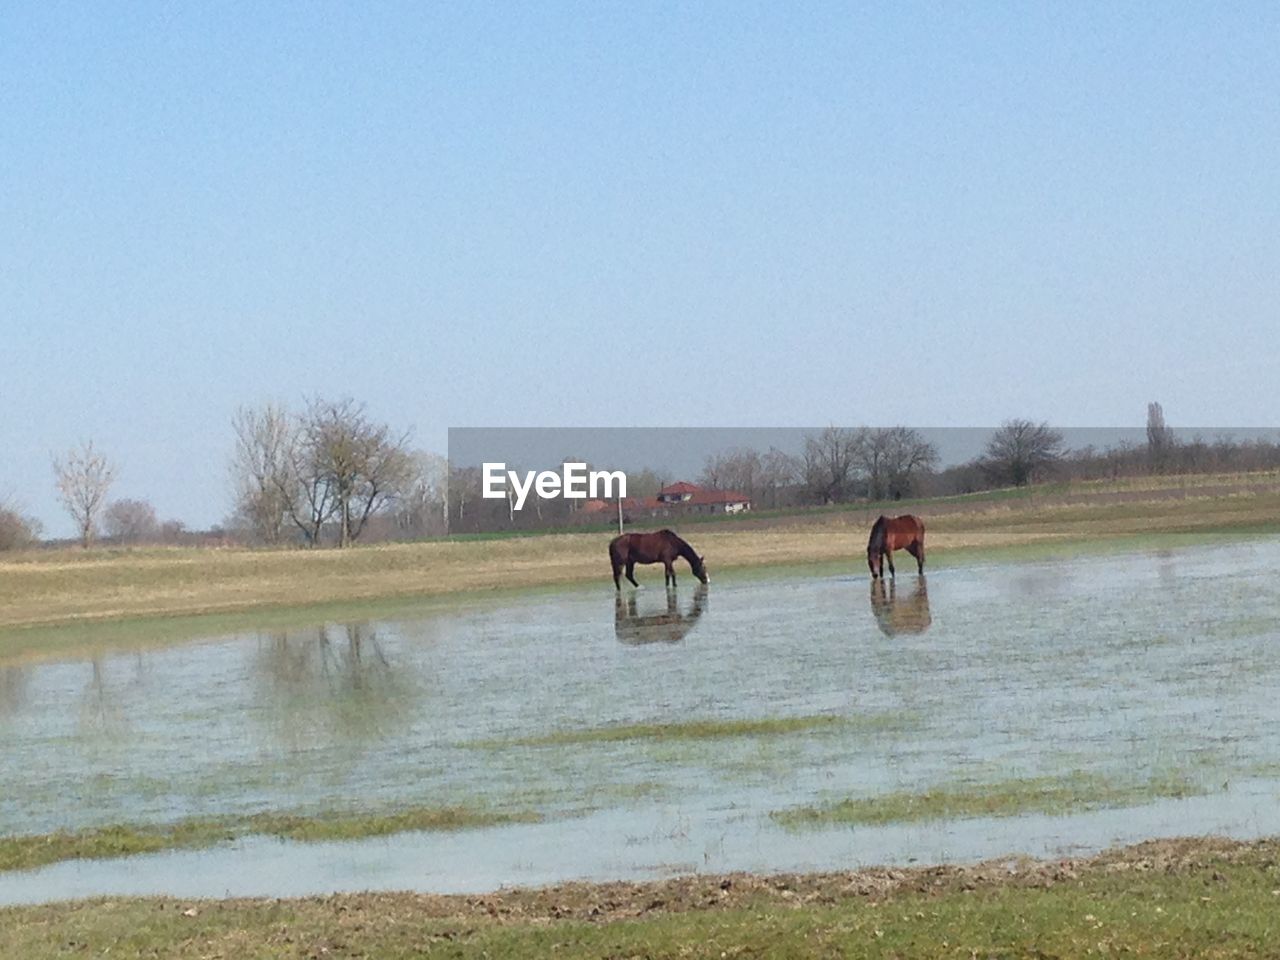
<point x="682" y="546"/>
<point x="876" y="541"/>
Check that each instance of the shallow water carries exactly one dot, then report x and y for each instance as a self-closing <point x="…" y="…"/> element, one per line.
<point x="1124" y="666"/>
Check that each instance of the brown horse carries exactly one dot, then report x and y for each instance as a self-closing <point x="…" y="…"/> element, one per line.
<point x="901" y="533"/>
<point x="662" y="547"/>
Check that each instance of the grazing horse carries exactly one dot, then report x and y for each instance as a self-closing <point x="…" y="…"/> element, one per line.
<point x="632" y="627"/>
<point x="662" y="547"/>
<point x="901" y="533"/>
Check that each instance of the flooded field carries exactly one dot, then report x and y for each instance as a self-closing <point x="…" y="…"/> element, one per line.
<point x="712" y="730"/>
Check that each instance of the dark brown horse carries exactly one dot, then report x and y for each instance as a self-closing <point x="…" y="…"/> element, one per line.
<point x="887" y="535"/>
<point x="662" y="547"/>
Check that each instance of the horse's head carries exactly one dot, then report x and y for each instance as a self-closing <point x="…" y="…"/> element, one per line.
<point x="700" y="570"/>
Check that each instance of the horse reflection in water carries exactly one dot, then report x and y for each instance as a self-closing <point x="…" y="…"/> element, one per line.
<point x="905" y="614"/>
<point x="631" y="627"/>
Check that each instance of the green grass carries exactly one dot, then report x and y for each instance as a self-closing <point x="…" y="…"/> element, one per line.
<point x="1171" y="899"/>
<point x="25" y="852"/>
<point x="1072" y="793"/>
<point x="695" y="730"/>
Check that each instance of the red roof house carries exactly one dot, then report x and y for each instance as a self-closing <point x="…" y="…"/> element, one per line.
<point x="702" y="499"/>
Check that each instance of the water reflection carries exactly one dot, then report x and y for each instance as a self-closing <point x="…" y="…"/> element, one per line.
<point x="101" y="715"/>
<point x="334" y="681"/>
<point x="670" y="626"/>
<point x="1120" y="676"/>
<point x="905" y="614"/>
<point x="13" y="688"/>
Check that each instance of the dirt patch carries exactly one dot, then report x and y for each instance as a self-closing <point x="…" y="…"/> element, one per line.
<point x="606" y="902"/>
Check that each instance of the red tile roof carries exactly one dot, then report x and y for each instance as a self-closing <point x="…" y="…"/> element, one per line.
<point x="681" y="487"/>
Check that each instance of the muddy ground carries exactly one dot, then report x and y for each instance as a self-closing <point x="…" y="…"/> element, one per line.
<point x="606" y="902"/>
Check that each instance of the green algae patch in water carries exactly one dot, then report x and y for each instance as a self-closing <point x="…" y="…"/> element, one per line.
<point x="124" y="840"/>
<point x="699" y="730"/>
<point x="1073" y="793"/>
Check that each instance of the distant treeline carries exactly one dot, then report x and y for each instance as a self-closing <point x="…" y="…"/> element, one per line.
<point x="841" y="465"/>
<point x="328" y="474"/>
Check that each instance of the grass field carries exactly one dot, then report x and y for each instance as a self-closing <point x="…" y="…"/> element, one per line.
<point x="53" y="599"/>
<point x="1185" y="898"/>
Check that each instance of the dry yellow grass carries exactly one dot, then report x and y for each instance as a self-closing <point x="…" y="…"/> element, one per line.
<point x="73" y="586"/>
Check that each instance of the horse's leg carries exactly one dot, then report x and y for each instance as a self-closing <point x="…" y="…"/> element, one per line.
<point x="617" y="573"/>
<point x="888" y="554"/>
<point x="915" y="548"/>
<point x="631" y="572"/>
<point x="670" y="578"/>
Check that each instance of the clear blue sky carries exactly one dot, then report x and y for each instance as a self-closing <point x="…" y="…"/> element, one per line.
<point x="626" y="214"/>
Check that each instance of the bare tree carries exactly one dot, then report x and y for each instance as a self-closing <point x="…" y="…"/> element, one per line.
<point x="464" y="492"/>
<point x="172" y="531"/>
<point x="737" y="469"/>
<point x="17" y="531"/>
<point x="713" y="471"/>
<point x="309" y="498"/>
<point x="83" y="476"/>
<point x="1160" y="439"/>
<point x="1020" y="451"/>
<point x="830" y="460"/>
<point x="893" y="459"/>
<point x="131" y="521"/>
<point x="778" y="471"/>
<point x="363" y="465"/>
<point x="423" y="508"/>
<point x="261" y="468"/>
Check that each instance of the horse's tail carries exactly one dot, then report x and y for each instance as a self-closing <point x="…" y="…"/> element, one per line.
<point x="875" y="543"/>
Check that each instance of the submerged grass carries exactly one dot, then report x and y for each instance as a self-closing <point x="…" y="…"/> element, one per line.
<point x="1070" y="793"/>
<point x="695" y="730"/>
<point x="1162" y="899"/>
<point x="122" y="840"/>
